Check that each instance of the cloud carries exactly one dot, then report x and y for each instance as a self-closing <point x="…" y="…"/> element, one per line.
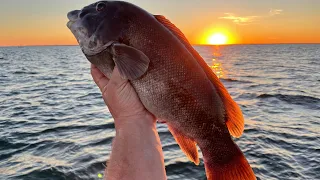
<point x="274" y="12"/>
<point x="242" y="20"/>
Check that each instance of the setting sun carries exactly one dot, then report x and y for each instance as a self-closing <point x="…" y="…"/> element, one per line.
<point x="217" y="39"/>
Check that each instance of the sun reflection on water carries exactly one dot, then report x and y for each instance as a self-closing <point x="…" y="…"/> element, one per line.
<point x="216" y="65"/>
<point x="217" y="68"/>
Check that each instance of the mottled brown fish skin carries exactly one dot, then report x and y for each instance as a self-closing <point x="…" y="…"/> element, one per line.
<point x="178" y="90"/>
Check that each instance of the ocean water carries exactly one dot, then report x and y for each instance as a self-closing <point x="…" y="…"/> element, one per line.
<point x="54" y="124"/>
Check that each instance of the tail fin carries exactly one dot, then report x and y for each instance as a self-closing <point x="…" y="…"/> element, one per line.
<point x="226" y="162"/>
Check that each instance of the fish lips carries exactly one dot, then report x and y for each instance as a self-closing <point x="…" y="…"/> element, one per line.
<point x="73" y="15"/>
<point x="90" y="44"/>
<point x="89" y="30"/>
<point x="88" y="41"/>
<point x="75" y="25"/>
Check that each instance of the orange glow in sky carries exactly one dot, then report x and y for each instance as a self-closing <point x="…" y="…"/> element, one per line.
<point x="43" y="22"/>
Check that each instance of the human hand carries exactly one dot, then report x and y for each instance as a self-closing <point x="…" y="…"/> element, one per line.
<point x="121" y="98"/>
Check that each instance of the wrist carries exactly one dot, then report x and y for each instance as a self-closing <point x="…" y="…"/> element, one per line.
<point x="143" y="120"/>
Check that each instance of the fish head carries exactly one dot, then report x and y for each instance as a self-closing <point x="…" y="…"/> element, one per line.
<point x="99" y="25"/>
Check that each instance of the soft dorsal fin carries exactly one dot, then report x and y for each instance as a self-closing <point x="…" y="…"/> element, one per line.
<point x="234" y="118"/>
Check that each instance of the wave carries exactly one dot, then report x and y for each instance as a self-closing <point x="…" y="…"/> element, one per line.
<point x="5" y="145"/>
<point x="294" y="99"/>
<point x="60" y="129"/>
<point x="184" y="170"/>
<point x="89" y="95"/>
<point x="58" y="172"/>
<point x="234" y="80"/>
<point x="24" y="72"/>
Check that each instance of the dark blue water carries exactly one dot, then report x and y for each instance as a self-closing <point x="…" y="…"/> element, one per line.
<point x="54" y="124"/>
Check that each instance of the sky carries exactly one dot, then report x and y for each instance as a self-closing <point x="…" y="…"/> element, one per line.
<point x="43" y="22"/>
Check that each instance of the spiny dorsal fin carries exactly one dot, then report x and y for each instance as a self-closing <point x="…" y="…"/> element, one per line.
<point x="176" y="31"/>
<point x="234" y="118"/>
<point x="187" y="145"/>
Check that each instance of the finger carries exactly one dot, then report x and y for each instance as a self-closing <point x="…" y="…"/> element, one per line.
<point x="99" y="78"/>
<point x="116" y="79"/>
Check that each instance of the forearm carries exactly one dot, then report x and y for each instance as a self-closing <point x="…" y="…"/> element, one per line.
<point x="136" y="152"/>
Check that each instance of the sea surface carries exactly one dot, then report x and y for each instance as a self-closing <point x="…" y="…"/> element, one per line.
<point x="54" y="124"/>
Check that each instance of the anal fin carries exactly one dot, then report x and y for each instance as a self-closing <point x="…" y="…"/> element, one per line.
<point x="187" y="145"/>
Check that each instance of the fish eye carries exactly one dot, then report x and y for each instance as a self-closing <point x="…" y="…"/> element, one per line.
<point x="101" y="6"/>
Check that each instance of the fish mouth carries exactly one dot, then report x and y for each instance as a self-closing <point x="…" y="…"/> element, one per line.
<point x="88" y="41"/>
<point x="76" y="27"/>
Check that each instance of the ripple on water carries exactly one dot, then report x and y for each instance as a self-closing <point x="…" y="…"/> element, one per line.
<point x="307" y="101"/>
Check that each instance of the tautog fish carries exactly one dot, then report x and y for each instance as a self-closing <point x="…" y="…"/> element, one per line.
<point x="171" y="79"/>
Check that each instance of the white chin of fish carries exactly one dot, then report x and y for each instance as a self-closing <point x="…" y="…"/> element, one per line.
<point x="89" y="44"/>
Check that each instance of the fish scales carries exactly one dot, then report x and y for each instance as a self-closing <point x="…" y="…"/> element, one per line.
<point x="171" y="79"/>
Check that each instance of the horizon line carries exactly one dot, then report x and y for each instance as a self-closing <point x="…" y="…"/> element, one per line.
<point x="191" y="44"/>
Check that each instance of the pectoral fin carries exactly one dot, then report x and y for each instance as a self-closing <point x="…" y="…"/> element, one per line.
<point x="132" y="63"/>
<point x="187" y="145"/>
